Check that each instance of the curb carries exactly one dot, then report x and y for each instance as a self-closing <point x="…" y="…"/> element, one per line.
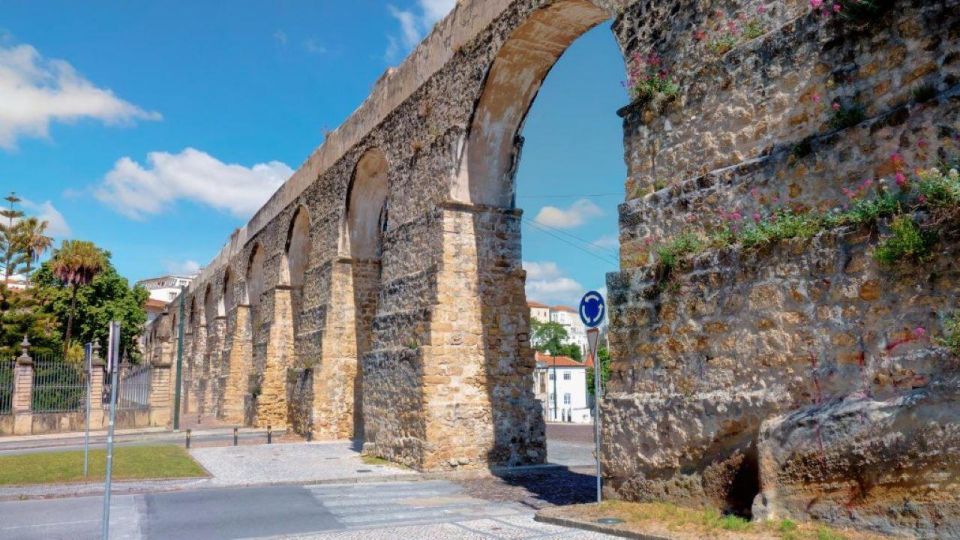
<point x="595" y="527"/>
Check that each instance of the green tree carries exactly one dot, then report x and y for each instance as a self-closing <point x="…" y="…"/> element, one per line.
<point x="75" y="265"/>
<point x="9" y="240"/>
<point x="22" y="314"/>
<point x="90" y="307"/>
<point x="548" y="337"/>
<point x="33" y="240"/>
<point x="604" y="355"/>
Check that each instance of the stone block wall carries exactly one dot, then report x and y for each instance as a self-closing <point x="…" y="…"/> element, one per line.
<point x="752" y="379"/>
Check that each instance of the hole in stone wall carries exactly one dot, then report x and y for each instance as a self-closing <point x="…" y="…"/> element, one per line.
<point x="745" y="484"/>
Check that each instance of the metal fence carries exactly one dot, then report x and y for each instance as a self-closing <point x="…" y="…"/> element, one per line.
<point x="6" y="386"/>
<point x="133" y="392"/>
<point x="58" y="386"/>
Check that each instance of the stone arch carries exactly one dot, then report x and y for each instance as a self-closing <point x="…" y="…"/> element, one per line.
<point x="296" y="254"/>
<point x="210" y="306"/>
<point x="488" y="165"/>
<point x="255" y="282"/>
<point x="227" y="296"/>
<point x="366" y="216"/>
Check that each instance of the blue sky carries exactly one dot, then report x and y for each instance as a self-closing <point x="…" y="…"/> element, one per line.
<point x="156" y="128"/>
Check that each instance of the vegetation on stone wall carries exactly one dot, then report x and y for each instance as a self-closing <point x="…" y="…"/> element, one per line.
<point x="917" y="210"/>
<point x="650" y="81"/>
<point x="951" y="332"/>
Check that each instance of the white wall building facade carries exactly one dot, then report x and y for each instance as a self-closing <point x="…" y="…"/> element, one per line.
<point x="165" y="288"/>
<point x="565" y="316"/>
<point x="560" y="383"/>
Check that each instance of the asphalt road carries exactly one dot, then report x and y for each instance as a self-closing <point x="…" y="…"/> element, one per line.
<point x="407" y="510"/>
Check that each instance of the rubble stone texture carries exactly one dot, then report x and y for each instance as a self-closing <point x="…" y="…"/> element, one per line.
<point x="397" y="315"/>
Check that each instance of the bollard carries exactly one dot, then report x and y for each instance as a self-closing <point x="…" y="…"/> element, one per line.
<point x="234" y="436"/>
<point x="309" y="435"/>
<point x="188" y="438"/>
<point x="199" y="418"/>
<point x="269" y="435"/>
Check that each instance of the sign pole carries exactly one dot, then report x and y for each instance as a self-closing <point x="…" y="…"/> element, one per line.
<point x="593" y="308"/>
<point x="113" y="355"/>
<point x="593" y="336"/>
<point x="88" y="360"/>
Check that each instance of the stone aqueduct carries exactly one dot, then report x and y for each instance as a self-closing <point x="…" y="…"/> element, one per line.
<point x="379" y="294"/>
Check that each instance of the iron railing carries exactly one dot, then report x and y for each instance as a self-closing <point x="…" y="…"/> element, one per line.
<point x="133" y="392"/>
<point x="6" y="386"/>
<point x="58" y="386"/>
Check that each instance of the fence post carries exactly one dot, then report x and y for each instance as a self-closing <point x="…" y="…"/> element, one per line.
<point x="23" y="391"/>
<point x="96" y="389"/>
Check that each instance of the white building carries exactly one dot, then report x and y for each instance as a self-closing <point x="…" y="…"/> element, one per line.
<point x="565" y="316"/>
<point x="539" y="312"/>
<point x="570" y="320"/>
<point x="560" y="383"/>
<point x="163" y="290"/>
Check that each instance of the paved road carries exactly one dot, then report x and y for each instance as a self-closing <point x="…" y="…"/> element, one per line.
<point x="406" y="510"/>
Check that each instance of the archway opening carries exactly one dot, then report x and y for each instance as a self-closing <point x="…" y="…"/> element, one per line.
<point x="553" y="122"/>
<point x="366" y="222"/>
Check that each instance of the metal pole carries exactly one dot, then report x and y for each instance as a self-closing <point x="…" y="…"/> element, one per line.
<point x="113" y="355"/>
<point x="597" y="375"/>
<point x="176" y="391"/>
<point x="88" y="358"/>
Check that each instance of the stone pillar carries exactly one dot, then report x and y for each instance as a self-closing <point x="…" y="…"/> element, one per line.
<point x="216" y="359"/>
<point x="23" y="391"/>
<point x="240" y="359"/>
<point x="97" y="375"/>
<point x="335" y="385"/>
<point x="479" y="405"/>
<point x="161" y="406"/>
<point x="197" y="363"/>
<point x="272" y="404"/>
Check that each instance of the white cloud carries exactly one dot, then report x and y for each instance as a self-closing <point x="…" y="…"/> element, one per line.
<point x="57" y="226"/>
<point x="415" y="23"/>
<point x="137" y="191"/>
<point x="547" y="283"/>
<point x="34" y="92"/>
<point x="578" y="214"/>
<point x="281" y="37"/>
<point x="183" y="268"/>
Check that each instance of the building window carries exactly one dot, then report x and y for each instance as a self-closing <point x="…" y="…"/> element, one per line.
<point x="551" y="397"/>
<point x="566" y="399"/>
<point x="551" y="375"/>
<point x="566" y="376"/>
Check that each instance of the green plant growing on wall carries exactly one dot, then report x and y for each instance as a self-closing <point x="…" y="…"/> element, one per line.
<point x="649" y="80"/>
<point x="908" y="243"/>
<point x="846" y="116"/>
<point x="672" y="252"/>
<point x="723" y="44"/>
<point x="753" y="29"/>
<point x="951" y="338"/>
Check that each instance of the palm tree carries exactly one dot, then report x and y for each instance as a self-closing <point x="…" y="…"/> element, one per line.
<point x="75" y="264"/>
<point x="33" y="241"/>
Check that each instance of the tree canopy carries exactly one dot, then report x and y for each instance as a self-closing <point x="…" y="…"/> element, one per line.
<point x="551" y="338"/>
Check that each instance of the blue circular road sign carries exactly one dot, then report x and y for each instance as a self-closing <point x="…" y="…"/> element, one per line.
<point x="592" y="309"/>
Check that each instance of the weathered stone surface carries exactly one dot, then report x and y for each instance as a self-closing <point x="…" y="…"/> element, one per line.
<point x="890" y="464"/>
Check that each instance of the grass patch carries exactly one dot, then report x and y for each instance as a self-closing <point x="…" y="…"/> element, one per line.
<point x="129" y="463"/>
<point x="377" y="460"/>
<point x="684" y="523"/>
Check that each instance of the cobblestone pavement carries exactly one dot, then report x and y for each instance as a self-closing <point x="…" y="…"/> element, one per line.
<point x="276" y="463"/>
